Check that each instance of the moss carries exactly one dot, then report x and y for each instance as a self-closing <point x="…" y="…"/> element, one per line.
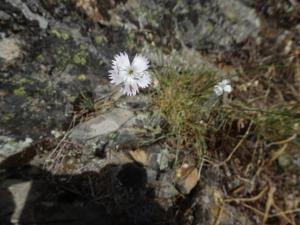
<point x="100" y="40"/>
<point x="71" y="98"/>
<point x="79" y="59"/>
<point x="40" y="57"/>
<point x="20" y="91"/>
<point x="6" y="116"/>
<point x="81" y="56"/>
<point x="24" y="80"/>
<point x="63" y="56"/>
<point x="81" y="77"/>
<point x="83" y="47"/>
<point x="60" y="34"/>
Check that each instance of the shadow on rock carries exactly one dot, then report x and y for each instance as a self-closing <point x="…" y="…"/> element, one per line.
<point x="118" y="194"/>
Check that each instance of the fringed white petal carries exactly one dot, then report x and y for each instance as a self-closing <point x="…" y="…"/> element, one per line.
<point x="222" y="87"/>
<point x="140" y="64"/>
<point x="218" y="90"/>
<point x="131" y="77"/>
<point x="227" y="88"/>
<point x="144" y="81"/>
<point x="121" y="61"/>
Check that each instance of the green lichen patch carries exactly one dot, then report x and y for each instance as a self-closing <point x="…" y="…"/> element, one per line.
<point x="20" y="91"/>
<point x="81" y="77"/>
<point x="81" y="57"/>
<point x="100" y="39"/>
<point x="60" y="34"/>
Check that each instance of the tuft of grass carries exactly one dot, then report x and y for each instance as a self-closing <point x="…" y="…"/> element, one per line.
<point x="196" y="115"/>
<point x="187" y="100"/>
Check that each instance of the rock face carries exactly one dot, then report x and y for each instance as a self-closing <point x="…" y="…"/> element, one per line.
<point x="114" y="166"/>
<point x="15" y="153"/>
<point x="202" y="25"/>
<point x="58" y="55"/>
<point x="28" y="14"/>
<point x="217" y="24"/>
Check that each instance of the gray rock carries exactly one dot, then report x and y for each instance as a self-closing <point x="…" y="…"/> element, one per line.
<point x="138" y="102"/>
<point x="165" y="188"/>
<point x="43" y="23"/>
<point x="196" y="24"/>
<point x="151" y="175"/>
<point x="127" y="139"/>
<point x="4" y="16"/>
<point x="101" y="125"/>
<point x="163" y="159"/>
<point x="20" y="192"/>
<point x="217" y="24"/>
<point x="10" y="49"/>
<point x="142" y="130"/>
<point x="14" y="153"/>
<point x="207" y="204"/>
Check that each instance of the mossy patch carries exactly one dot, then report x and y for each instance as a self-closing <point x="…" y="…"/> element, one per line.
<point x="40" y="58"/>
<point x="60" y="34"/>
<point x="20" y="91"/>
<point x="81" y="77"/>
<point x="99" y="40"/>
<point x="81" y="57"/>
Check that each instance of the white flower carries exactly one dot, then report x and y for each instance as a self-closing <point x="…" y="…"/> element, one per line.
<point x="131" y="76"/>
<point x="222" y="87"/>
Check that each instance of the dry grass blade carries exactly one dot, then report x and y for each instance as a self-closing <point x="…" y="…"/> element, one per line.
<point x="236" y="147"/>
<point x="269" y="204"/>
<point x="251" y="199"/>
<point x="293" y="137"/>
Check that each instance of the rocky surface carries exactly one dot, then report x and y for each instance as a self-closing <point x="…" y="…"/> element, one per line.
<point x="50" y="56"/>
<point x="13" y="152"/>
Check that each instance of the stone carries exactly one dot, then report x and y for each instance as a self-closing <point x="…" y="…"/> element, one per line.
<point x="152" y="175"/>
<point x="118" y="158"/>
<point x="138" y="102"/>
<point x="163" y="159"/>
<point x="208" y="206"/>
<point x="10" y="49"/>
<point x="101" y="125"/>
<point x="139" y="156"/>
<point x="165" y="188"/>
<point x="28" y="14"/>
<point x="187" y="178"/>
<point x="201" y="25"/>
<point x="142" y="130"/>
<point x="4" y="16"/>
<point x="20" y="193"/>
<point x="14" y="153"/>
<point x="127" y="139"/>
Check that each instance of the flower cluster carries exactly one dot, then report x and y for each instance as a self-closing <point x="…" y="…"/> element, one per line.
<point x="223" y="87"/>
<point x="130" y="76"/>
